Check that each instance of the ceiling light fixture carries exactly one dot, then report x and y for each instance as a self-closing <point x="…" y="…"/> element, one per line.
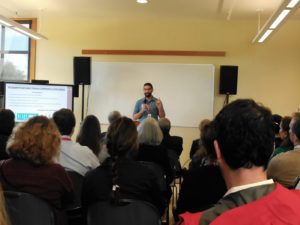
<point x="283" y="11"/>
<point x="20" y="28"/>
<point x="142" y="1"/>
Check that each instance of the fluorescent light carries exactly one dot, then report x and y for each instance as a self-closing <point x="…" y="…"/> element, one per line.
<point x="142" y="1"/>
<point x="292" y="3"/>
<point x="278" y="20"/>
<point x="284" y="10"/>
<point x="26" y="33"/>
<point x="266" y="34"/>
<point x="20" y="28"/>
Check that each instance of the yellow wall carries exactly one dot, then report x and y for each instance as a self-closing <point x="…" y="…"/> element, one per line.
<point x="268" y="72"/>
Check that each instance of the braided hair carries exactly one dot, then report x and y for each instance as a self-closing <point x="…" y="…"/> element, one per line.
<point x="121" y="139"/>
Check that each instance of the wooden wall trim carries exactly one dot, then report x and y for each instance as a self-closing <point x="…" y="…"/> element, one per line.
<point x="153" y="52"/>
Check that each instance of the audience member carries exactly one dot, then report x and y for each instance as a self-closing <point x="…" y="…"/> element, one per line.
<point x="7" y="123"/>
<point x="170" y="142"/>
<point x="31" y="169"/>
<point x="276" y="124"/>
<point x="150" y="149"/>
<point x="89" y="133"/>
<point x="285" y="168"/>
<point x="4" y="220"/>
<point x="203" y="185"/>
<point x="286" y="144"/>
<point x="244" y="140"/>
<point x="120" y="177"/>
<point x="113" y="116"/>
<point x="196" y="145"/>
<point x="73" y="156"/>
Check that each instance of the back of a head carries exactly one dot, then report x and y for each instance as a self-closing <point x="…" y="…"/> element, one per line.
<point x="121" y="137"/>
<point x="65" y="121"/>
<point x="276" y="122"/>
<point x="89" y="133"/>
<point x="165" y="125"/>
<point x="113" y="116"/>
<point x="36" y="141"/>
<point x="296" y="129"/>
<point x="7" y="121"/>
<point x="244" y="131"/>
<point x="149" y="132"/>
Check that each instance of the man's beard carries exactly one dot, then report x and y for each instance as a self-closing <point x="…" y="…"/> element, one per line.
<point x="147" y="95"/>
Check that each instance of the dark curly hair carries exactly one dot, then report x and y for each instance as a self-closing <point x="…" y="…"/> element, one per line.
<point x="245" y="134"/>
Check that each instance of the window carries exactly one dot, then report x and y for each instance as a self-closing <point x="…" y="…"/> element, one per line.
<point x="17" y="59"/>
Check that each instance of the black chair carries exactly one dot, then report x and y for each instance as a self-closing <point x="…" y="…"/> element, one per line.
<point x="26" y="209"/>
<point x="128" y="212"/>
<point x="74" y="211"/>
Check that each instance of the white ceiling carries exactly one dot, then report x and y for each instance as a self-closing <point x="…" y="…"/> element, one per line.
<point x="200" y="9"/>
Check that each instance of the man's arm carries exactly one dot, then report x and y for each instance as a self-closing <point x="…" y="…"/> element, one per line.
<point x="160" y="108"/>
<point x="138" y="113"/>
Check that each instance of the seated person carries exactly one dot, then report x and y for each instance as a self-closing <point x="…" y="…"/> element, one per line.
<point x="121" y="177"/>
<point x="7" y="123"/>
<point x="89" y="134"/>
<point x="73" y="156"/>
<point x="150" y="148"/>
<point x="285" y="167"/>
<point x="170" y="142"/>
<point x="196" y="145"/>
<point x="286" y="144"/>
<point x="203" y="185"/>
<point x="243" y="144"/>
<point x="31" y="168"/>
<point x="276" y="124"/>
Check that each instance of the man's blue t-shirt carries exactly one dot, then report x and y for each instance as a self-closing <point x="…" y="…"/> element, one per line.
<point x="153" y="111"/>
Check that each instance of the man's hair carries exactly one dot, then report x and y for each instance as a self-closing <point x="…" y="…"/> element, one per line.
<point x="148" y="84"/>
<point x="276" y="122"/>
<point x="65" y="121"/>
<point x="165" y="125"/>
<point x="113" y="116"/>
<point x="245" y="134"/>
<point x="7" y="121"/>
<point x="296" y="128"/>
<point x="149" y="132"/>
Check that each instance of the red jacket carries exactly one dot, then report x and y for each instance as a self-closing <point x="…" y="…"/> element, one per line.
<point x="282" y="206"/>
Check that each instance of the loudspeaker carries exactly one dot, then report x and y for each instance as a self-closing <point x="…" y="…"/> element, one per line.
<point x="228" y="79"/>
<point x="82" y="70"/>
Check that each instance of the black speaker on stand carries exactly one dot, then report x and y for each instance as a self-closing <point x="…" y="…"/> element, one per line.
<point x="228" y="81"/>
<point x="82" y="75"/>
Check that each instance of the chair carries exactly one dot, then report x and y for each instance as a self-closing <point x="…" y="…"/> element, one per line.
<point x="128" y="212"/>
<point x="26" y="209"/>
<point x="74" y="211"/>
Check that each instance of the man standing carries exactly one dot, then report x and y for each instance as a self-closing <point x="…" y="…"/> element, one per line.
<point x="148" y="106"/>
<point x="243" y="143"/>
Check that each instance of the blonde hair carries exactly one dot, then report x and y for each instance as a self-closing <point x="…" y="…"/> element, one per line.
<point x="149" y="132"/>
<point x="36" y="140"/>
<point x="4" y="220"/>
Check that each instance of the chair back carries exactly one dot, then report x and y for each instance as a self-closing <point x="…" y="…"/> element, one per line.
<point x="128" y="212"/>
<point x="26" y="209"/>
<point x="77" y="180"/>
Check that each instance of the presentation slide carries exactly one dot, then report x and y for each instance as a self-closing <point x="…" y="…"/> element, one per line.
<point x="28" y="100"/>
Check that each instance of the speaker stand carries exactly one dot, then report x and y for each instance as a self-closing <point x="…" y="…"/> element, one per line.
<point x="226" y="99"/>
<point x="82" y="103"/>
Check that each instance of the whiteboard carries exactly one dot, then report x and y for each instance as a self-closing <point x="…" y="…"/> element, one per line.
<point x="186" y="90"/>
